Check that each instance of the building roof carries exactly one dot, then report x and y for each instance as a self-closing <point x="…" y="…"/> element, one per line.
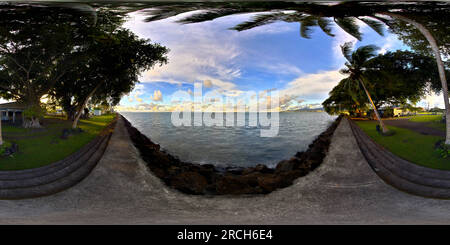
<point x="13" y="105"/>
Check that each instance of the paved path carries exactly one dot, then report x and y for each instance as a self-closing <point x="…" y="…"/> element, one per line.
<point x="343" y="190"/>
<point x="419" y="127"/>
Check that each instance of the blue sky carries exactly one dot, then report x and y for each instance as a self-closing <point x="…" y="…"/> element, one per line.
<point x="264" y="58"/>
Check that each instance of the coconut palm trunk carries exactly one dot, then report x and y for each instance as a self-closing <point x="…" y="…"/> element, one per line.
<point x="432" y="41"/>
<point x="383" y="128"/>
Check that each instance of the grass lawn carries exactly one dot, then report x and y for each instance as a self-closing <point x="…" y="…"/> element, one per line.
<point x="44" y="146"/>
<point x="409" y="145"/>
<point x="431" y="120"/>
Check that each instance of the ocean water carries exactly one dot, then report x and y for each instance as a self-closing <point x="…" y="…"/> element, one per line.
<point x="232" y="146"/>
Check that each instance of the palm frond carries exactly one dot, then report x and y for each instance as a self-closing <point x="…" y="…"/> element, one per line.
<point x="259" y="20"/>
<point x="348" y="24"/>
<point x="208" y="15"/>
<point x="346" y="49"/>
<point x="375" y="25"/>
<point x="324" y="24"/>
<point x="306" y="24"/>
<point x="363" y="54"/>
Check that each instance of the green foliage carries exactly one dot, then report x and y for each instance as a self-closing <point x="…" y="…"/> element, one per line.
<point x="443" y="150"/>
<point x="4" y="146"/>
<point x="108" y="67"/>
<point x="34" y="111"/>
<point x="37" y="45"/>
<point x="393" y="78"/>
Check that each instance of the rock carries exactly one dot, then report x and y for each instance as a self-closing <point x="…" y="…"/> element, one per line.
<point x="234" y="170"/>
<point x="263" y="169"/>
<point x="11" y="150"/>
<point x="299" y="154"/>
<point x="14" y="148"/>
<point x="65" y="134"/>
<point x="190" y="182"/>
<point x="269" y="183"/>
<point x="233" y="185"/>
<point x="284" y="166"/>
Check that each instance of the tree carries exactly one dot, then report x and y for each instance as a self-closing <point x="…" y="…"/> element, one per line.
<point x="357" y="75"/>
<point x="400" y="76"/>
<point x="107" y="69"/>
<point x="341" y="100"/>
<point x="396" y="78"/>
<point x="440" y="64"/>
<point x="37" y="48"/>
<point x="430" y="19"/>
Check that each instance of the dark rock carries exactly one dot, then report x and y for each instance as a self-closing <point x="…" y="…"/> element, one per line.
<point x="285" y="166"/>
<point x="11" y="150"/>
<point x="234" y="170"/>
<point x="263" y="169"/>
<point x="190" y="182"/>
<point x="65" y="134"/>
<point x="233" y="185"/>
<point x="14" y="147"/>
<point x="269" y="183"/>
<point x="299" y="154"/>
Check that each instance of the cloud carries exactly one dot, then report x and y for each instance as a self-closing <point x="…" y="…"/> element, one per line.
<point x="391" y="42"/>
<point x="205" y="53"/>
<point x="312" y="86"/>
<point x="207" y="83"/>
<point x="157" y="96"/>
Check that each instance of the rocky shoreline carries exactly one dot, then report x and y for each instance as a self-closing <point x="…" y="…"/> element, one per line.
<point x="207" y="179"/>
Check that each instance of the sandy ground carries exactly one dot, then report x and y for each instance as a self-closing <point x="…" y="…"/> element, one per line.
<point x="120" y="190"/>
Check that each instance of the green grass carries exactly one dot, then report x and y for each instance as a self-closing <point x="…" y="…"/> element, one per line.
<point x="409" y="145"/>
<point x="41" y="147"/>
<point x="12" y="129"/>
<point x="431" y="121"/>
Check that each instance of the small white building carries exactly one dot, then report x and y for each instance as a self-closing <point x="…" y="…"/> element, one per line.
<point x="97" y="112"/>
<point x="12" y="112"/>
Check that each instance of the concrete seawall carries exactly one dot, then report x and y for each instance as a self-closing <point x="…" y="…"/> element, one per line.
<point x="120" y="190"/>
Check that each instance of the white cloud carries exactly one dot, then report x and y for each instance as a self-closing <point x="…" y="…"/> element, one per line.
<point x="391" y="42"/>
<point x="312" y="86"/>
<point x="197" y="52"/>
<point x="157" y="96"/>
<point x="207" y="83"/>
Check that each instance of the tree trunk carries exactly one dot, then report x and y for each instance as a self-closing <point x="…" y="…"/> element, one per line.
<point x="81" y="109"/>
<point x="383" y="128"/>
<point x="432" y="41"/>
<point x="34" y="121"/>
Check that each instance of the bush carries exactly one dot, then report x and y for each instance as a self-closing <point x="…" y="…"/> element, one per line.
<point x="3" y="147"/>
<point x="443" y="149"/>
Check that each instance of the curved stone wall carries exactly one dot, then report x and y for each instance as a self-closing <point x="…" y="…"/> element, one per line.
<point x="57" y="176"/>
<point x="400" y="173"/>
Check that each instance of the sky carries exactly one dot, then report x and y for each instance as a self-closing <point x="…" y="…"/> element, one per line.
<point x="230" y="63"/>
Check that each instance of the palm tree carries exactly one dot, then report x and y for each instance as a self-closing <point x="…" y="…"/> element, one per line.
<point x="343" y="14"/>
<point x="356" y="70"/>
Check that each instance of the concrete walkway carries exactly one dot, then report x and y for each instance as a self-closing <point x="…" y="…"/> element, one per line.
<point x="343" y="190"/>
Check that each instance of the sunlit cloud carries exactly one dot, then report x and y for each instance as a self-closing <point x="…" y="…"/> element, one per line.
<point x="157" y="96"/>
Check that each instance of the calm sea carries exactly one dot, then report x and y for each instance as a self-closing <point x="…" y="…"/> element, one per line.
<point x="232" y="146"/>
